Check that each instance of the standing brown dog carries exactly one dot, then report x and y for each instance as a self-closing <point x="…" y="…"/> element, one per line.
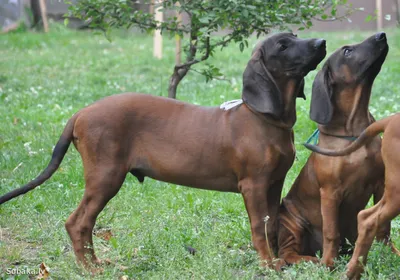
<point x="373" y="221"/>
<point x="320" y="211"/>
<point x="247" y="149"/>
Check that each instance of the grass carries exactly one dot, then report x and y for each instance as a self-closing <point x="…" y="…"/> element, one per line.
<point x="45" y="78"/>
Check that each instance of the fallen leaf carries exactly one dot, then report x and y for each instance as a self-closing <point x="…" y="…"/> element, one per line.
<point x="123" y="268"/>
<point x="44" y="271"/>
<point x="104" y="234"/>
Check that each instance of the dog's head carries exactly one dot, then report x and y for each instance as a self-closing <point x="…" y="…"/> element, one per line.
<point x="275" y="61"/>
<point x="347" y="68"/>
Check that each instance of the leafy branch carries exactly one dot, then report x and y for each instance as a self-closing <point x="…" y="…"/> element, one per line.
<point x="238" y="18"/>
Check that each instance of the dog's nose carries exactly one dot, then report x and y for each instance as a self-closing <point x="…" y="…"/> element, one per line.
<point x="380" y="36"/>
<point x="320" y="43"/>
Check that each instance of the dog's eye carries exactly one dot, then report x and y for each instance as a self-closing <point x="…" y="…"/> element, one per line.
<point x="282" y="48"/>
<point x="347" y="51"/>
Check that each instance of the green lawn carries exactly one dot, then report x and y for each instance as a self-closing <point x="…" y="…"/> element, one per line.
<point x="45" y="78"/>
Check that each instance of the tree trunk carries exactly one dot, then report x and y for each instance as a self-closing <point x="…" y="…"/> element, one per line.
<point x="43" y="13"/>
<point x="35" y="6"/>
<point x="176" y="78"/>
<point x="180" y="72"/>
<point x="38" y="8"/>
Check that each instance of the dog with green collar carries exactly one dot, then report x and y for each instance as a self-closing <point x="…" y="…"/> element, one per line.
<point x="320" y="211"/>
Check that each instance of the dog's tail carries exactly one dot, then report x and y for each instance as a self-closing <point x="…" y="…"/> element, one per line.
<point x="58" y="154"/>
<point x="367" y="135"/>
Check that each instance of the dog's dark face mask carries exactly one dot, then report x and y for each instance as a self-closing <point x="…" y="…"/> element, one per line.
<point x="347" y="67"/>
<point x="279" y="59"/>
<point x="294" y="57"/>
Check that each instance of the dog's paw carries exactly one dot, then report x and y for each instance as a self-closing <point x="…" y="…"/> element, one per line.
<point x="278" y="264"/>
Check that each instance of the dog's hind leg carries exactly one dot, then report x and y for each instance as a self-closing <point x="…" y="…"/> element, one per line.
<point x="383" y="235"/>
<point x="370" y="222"/>
<point x="292" y="239"/>
<point x="102" y="183"/>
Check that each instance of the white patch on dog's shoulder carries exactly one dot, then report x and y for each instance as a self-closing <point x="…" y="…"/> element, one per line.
<point x="230" y="104"/>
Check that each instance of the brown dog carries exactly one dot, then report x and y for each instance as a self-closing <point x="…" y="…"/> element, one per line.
<point x="373" y="221"/>
<point x="247" y="149"/>
<point x="320" y="211"/>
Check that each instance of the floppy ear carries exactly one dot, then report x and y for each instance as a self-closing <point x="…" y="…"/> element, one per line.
<point x="300" y="93"/>
<point x="259" y="89"/>
<point x="321" y="99"/>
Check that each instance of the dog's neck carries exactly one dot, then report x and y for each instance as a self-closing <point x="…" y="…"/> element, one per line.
<point x="351" y="115"/>
<point x="288" y="90"/>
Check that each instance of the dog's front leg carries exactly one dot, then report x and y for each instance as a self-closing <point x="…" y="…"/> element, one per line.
<point x="274" y="202"/>
<point x="255" y="198"/>
<point x="330" y="201"/>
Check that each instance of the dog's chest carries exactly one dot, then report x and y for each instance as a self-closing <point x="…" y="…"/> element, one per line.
<point x="362" y="170"/>
<point x="283" y="159"/>
<point x="353" y="175"/>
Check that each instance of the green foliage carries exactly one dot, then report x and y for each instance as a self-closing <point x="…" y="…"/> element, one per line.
<point x="210" y="71"/>
<point x="242" y="17"/>
<point x="238" y="18"/>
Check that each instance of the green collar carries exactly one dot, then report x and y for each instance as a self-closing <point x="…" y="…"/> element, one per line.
<point x="314" y="137"/>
